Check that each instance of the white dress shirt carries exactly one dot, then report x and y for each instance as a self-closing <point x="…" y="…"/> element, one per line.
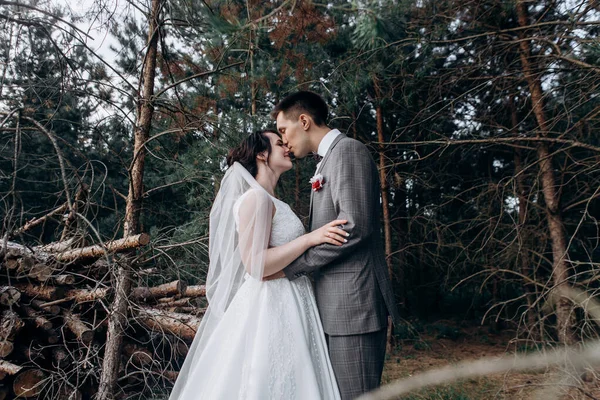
<point x="326" y="144"/>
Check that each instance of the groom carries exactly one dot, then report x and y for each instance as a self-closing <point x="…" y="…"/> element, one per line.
<point x="352" y="286"/>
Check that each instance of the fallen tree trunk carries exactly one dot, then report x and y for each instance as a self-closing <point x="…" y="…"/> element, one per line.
<point x="166" y="289"/>
<point x="45" y="307"/>
<point x="181" y="325"/>
<point x="139" y="355"/>
<point x="16" y="250"/>
<point x="10" y="325"/>
<point x="64" y="279"/>
<point x="186" y="310"/>
<point x="11" y="263"/>
<point x="195" y="291"/>
<point x="172" y="302"/>
<point x="25" y="264"/>
<point x="9" y="295"/>
<point x="56" y="247"/>
<point x="99" y="250"/>
<point x="39" y="320"/>
<point x="40" y="292"/>
<point x="86" y="295"/>
<point x="9" y="368"/>
<point x="40" y="272"/>
<point x="66" y="306"/>
<point x="52" y="336"/>
<point x="6" y="347"/>
<point x="83" y="332"/>
<point x="29" y="383"/>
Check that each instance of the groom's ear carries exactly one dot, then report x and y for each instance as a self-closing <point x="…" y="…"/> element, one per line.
<point x="305" y="121"/>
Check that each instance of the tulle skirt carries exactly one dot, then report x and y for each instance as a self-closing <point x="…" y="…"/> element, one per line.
<point x="269" y="345"/>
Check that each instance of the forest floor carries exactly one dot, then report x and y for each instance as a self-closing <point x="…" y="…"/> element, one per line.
<point x="442" y="344"/>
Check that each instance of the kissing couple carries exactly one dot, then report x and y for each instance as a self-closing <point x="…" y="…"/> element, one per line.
<point x="267" y="333"/>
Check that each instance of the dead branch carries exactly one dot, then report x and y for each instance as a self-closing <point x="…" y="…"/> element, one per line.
<point x="36" y="221"/>
<point x="99" y="250"/>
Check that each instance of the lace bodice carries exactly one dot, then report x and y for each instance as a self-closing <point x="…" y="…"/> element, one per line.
<point x="286" y="225"/>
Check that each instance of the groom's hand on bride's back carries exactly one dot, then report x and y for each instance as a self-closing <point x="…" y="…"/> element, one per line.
<point x="276" y="275"/>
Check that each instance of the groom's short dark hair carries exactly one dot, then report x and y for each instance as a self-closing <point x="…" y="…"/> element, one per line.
<point x="303" y="102"/>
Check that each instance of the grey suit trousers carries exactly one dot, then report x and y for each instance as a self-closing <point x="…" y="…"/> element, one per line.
<point x="357" y="361"/>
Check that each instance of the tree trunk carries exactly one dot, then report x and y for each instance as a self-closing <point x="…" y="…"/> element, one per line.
<point x="522" y="194"/>
<point x="558" y="240"/>
<point x="387" y="229"/>
<point x="253" y="86"/>
<point x="117" y="319"/>
<point x="400" y="275"/>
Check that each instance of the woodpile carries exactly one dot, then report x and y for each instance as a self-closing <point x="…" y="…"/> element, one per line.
<point x="54" y="303"/>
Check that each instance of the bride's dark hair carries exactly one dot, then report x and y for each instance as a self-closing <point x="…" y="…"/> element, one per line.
<point x="245" y="153"/>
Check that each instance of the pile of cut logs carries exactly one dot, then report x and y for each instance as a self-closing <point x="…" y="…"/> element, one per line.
<point x="54" y="302"/>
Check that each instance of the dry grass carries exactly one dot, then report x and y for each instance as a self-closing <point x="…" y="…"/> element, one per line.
<point x="433" y="349"/>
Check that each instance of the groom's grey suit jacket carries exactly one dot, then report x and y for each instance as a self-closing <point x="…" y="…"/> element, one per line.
<point x="352" y="285"/>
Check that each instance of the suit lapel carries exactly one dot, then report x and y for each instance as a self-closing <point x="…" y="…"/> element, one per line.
<point x="312" y="192"/>
<point x="333" y="144"/>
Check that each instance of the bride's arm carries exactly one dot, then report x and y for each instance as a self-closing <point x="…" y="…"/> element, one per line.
<point x="255" y="218"/>
<point x="279" y="257"/>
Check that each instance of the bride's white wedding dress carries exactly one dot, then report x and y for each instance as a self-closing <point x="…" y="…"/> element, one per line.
<point x="270" y="342"/>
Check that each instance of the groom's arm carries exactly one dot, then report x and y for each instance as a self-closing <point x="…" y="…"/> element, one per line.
<point x="351" y="189"/>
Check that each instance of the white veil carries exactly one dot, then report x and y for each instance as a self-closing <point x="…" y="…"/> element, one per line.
<point x="240" y="228"/>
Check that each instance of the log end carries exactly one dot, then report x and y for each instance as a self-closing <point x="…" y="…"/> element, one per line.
<point x="6" y="347"/>
<point x="87" y="336"/>
<point x="52" y="337"/>
<point x="9" y="295"/>
<point x="46" y="325"/>
<point x="29" y="383"/>
<point x="144" y="239"/>
<point x="181" y="287"/>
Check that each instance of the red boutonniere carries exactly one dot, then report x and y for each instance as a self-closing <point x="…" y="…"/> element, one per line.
<point x="317" y="182"/>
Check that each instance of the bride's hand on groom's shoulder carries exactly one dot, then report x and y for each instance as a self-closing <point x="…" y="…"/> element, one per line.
<point x="331" y="233"/>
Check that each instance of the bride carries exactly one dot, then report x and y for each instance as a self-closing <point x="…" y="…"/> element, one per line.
<point x="258" y="339"/>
